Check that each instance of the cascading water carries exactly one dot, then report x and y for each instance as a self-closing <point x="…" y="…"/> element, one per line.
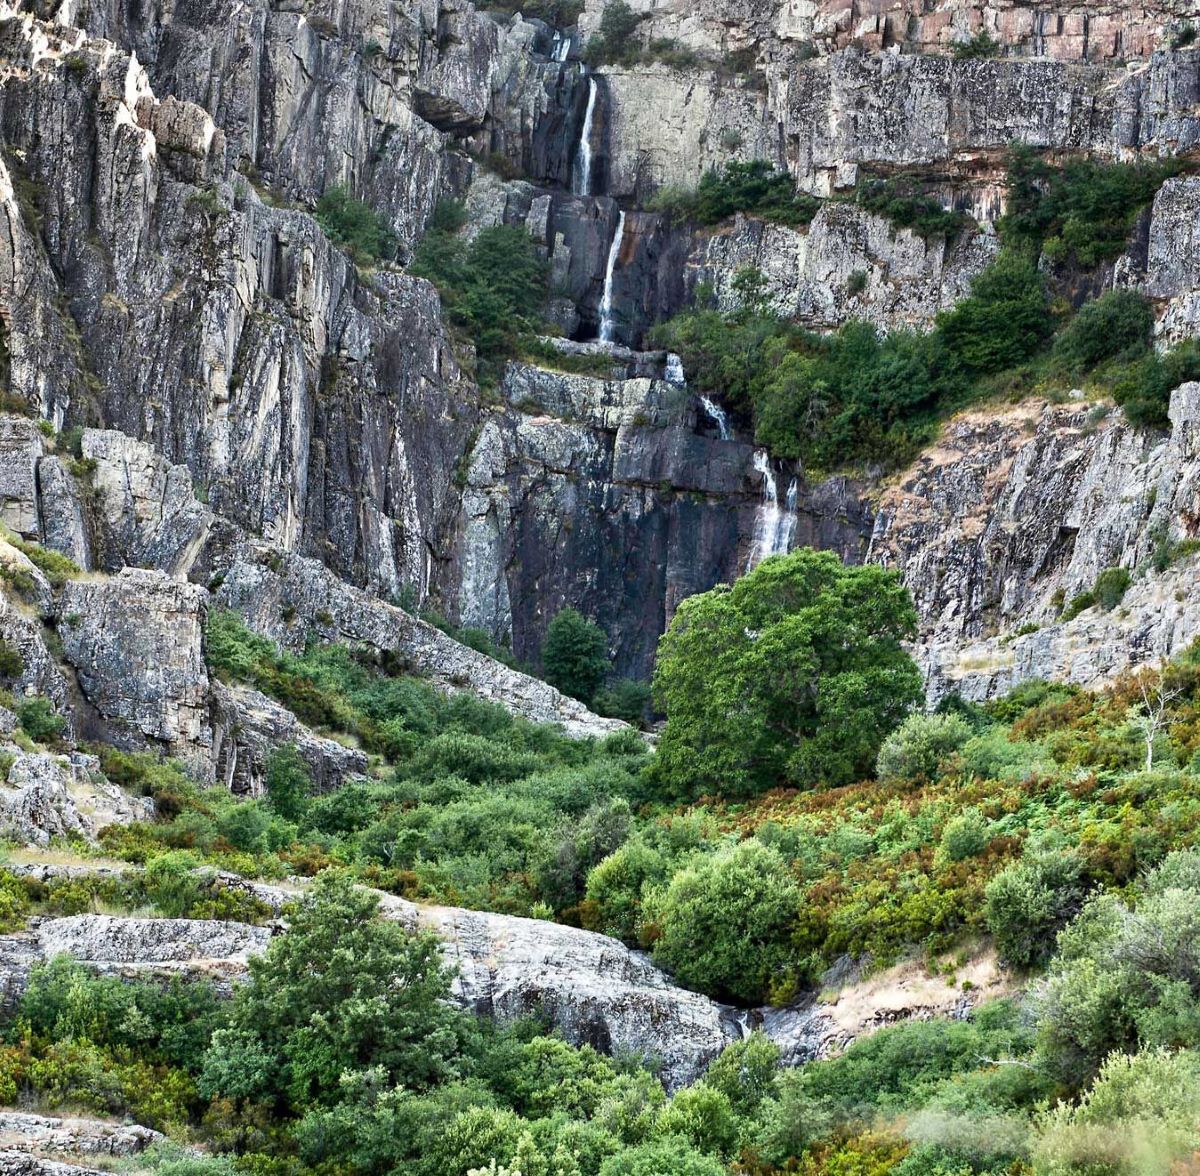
<point x="608" y="326"/>
<point x="561" y="49"/>
<point x="673" y="371"/>
<point x="774" y="526"/>
<point x="717" y="415"/>
<point x="582" y="174"/>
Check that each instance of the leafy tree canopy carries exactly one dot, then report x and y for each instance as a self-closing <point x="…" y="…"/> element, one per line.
<point x="794" y="675"/>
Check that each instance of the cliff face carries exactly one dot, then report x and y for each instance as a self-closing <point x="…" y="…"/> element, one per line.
<point x="162" y="278"/>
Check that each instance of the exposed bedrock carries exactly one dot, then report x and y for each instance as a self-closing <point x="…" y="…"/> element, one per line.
<point x="612" y="496"/>
<point x="1015" y="513"/>
<point x="1066" y="30"/>
<point x="591" y="988"/>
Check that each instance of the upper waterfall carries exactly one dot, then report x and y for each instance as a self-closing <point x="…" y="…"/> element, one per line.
<point x="582" y="173"/>
<point x="608" y="326"/>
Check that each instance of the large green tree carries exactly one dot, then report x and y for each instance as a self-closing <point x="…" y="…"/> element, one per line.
<point x="794" y="675"/>
<point x="342" y="992"/>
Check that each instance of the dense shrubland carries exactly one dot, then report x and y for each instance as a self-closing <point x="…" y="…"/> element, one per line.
<point x="856" y="396"/>
<point x="1055" y="824"/>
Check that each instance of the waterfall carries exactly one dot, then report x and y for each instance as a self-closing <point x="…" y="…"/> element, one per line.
<point x="608" y="328"/>
<point x="561" y="49"/>
<point x="774" y="526"/>
<point x="717" y="415"/>
<point x="673" y="372"/>
<point x="583" y="155"/>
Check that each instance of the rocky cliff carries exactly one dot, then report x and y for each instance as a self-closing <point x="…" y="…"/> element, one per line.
<point x="162" y="278"/>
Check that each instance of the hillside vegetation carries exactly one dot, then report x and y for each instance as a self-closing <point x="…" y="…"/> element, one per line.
<point x="1054" y="824"/>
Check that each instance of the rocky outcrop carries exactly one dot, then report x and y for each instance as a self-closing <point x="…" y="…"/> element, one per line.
<point x="1065" y="30"/>
<point x="135" y="642"/>
<point x="45" y="796"/>
<point x="848" y="264"/>
<point x="24" y="1132"/>
<point x="248" y="726"/>
<point x="288" y="598"/>
<point x="320" y="409"/>
<point x="1018" y="511"/>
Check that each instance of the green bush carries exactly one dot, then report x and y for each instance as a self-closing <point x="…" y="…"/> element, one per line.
<point x="12" y="663"/>
<point x="1082" y="211"/>
<point x="1030" y="901"/>
<point x="623" y="699"/>
<point x="288" y="782"/>
<point x="981" y="45"/>
<point x="615" y="40"/>
<point x="1143" y="388"/>
<point x="794" y="675"/>
<point x="355" y="225"/>
<point x="1003" y="321"/>
<point x="1117" y="323"/>
<point x="493" y="288"/>
<point x="902" y="201"/>
<point x="915" y="749"/>
<point x="754" y="188"/>
<point x="1122" y="980"/>
<point x="724" y="923"/>
<point x="341" y="991"/>
<point x="965" y="836"/>
<point x="1111" y="586"/>
<point x="39" y="720"/>
<point x="575" y="655"/>
<point x="1141" y="1116"/>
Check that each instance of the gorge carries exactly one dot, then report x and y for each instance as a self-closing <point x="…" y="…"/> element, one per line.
<point x="351" y="352"/>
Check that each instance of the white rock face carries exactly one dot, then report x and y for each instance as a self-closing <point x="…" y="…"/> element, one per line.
<point x="848" y="264"/>
<point x="42" y="1133"/>
<point x="47" y="796"/>
<point x="1019" y="510"/>
<point x="593" y="989"/>
<point x="136" y="644"/>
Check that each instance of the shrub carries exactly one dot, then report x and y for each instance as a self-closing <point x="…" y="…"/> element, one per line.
<point x="354" y="225"/>
<point x="1003" y="321"/>
<point x="624" y="699"/>
<point x="1111" y="586"/>
<point x="1143" y="389"/>
<point x="725" y="922"/>
<point x="661" y="1156"/>
<point x="1122" y="979"/>
<point x="493" y="288"/>
<point x="39" y="720"/>
<point x="614" y="41"/>
<point x="341" y="991"/>
<point x="288" y="782"/>
<point x="56" y="567"/>
<point x="915" y="749"/>
<point x="1029" y="901"/>
<point x="900" y="199"/>
<point x="12" y="663"/>
<point x="575" y="655"/>
<point x="981" y="45"/>
<point x="754" y="188"/>
<point x="1119" y="322"/>
<point x="1082" y="211"/>
<point x="964" y="836"/>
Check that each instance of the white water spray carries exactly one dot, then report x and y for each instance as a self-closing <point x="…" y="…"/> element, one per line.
<point x="561" y="49"/>
<point x="608" y="327"/>
<point x="774" y="526"/>
<point x="717" y="415"/>
<point x="583" y="154"/>
<point x="673" y="371"/>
